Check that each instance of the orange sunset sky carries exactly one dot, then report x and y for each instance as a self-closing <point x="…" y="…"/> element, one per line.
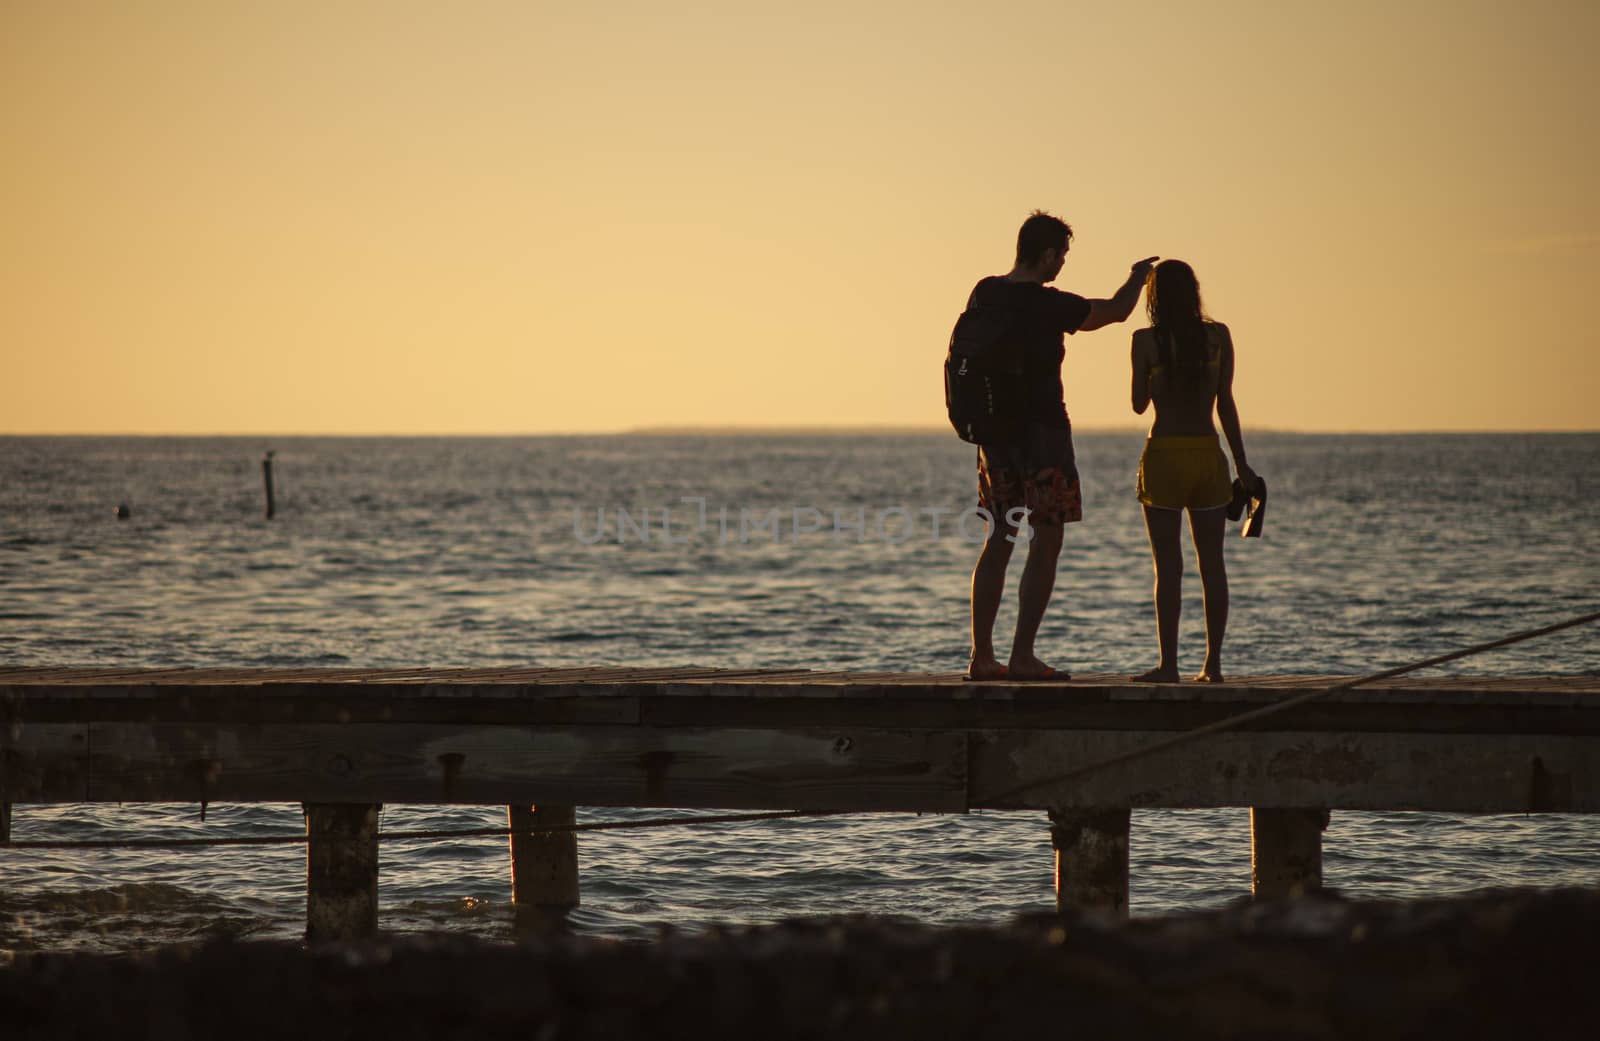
<point x="340" y="217"/>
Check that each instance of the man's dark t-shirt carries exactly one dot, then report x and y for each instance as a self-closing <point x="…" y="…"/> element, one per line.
<point x="1043" y="315"/>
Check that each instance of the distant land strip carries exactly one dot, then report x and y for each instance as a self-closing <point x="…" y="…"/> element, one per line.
<point x="884" y="430"/>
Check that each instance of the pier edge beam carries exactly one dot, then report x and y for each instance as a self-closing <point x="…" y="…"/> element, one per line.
<point x="341" y="871"/>
<point x="544" y="868"/>
<point x="1285" y="851"/>
<point x="1091" y="859"/>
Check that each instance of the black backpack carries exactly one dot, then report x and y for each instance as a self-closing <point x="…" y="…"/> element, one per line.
<point x="983" y="383"/>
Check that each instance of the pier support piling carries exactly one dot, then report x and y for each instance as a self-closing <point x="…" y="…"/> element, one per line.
<point x="1285" y="851"/>
<point x="1091" y="859"/>
<point x="544" y="868"/>
<point x="341" y="871"/>
<point x="5" y="822"/>
<point x="266" y="479"/>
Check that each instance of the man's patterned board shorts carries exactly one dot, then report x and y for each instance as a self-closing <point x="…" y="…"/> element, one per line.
<point x="1040" y="475"/>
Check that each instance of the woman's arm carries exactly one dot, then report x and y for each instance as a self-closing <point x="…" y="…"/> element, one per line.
<point x="1228" y="411"/>
<point x="1141" y="371"/>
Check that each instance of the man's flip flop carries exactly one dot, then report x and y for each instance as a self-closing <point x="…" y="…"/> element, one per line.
<point x="1048" y="675"/>
<point x="970" y="678"/>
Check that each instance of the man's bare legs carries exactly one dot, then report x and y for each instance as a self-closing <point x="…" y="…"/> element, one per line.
<point x="988" y="586"/>
<point x="1166" y="550"/>
<point x="1207" y="528"/>
<point x="1038" y="581"/>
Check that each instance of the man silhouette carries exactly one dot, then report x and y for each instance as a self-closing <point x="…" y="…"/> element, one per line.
<point x="1035" y="472"/>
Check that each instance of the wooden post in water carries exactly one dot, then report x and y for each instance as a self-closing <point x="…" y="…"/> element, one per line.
<point x="266" y="477"/>
<point x="341" y="871"/>
<point x="1091" y="859"/>
<point x="5" y="822"/>
<point x="1285" y="851"/>
<point x="544" y="868"/>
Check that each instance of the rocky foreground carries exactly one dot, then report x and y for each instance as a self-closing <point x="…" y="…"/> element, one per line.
<point x="1502" y="965"/>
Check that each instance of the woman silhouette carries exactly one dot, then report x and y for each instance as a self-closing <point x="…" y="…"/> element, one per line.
<point x="1184" y="363"/>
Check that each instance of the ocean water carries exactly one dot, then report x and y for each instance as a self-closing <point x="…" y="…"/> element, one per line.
<point x="797" y="551"/>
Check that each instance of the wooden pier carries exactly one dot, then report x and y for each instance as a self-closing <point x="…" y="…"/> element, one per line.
<point x="543" y="740"/>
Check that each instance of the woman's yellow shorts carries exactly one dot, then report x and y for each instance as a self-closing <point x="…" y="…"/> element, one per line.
<point x="1184" y="472"/>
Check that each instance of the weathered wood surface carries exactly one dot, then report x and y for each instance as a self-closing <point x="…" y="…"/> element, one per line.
<point x="1447" y="773"/>
<point x="1091" y="859"/>
<point x="1285" y="851"/>
<point x="787" y="739"/>
<point x="1565" y="705"/>
<point x="341" y="871"/>
<point x="422" y="763"/>
<point x="544" y="867"/>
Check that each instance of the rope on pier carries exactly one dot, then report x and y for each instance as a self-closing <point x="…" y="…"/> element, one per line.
<point x="1233" y="722"/>
<point x="1183" y="738"/>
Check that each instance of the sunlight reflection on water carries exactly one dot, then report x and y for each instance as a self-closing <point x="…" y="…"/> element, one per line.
<point x="441" y="552"/>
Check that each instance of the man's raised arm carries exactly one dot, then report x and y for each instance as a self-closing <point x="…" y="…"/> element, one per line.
<point x="1108" y="312"/>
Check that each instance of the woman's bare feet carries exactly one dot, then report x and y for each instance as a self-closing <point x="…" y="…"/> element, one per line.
<point x="1210" y="674"/>
<point x="1158" y="675"/>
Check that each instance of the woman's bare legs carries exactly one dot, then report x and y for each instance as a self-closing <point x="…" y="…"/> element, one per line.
<point x="1207" y="527"/>
<point x="1166" y="549"/>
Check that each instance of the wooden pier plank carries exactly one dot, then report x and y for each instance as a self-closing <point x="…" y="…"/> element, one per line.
<point x="1452" y="773"/>
<point x="530" y="675"/>
<point x="585" y="766"/>
<point x="44" y="762"/>
<point x="786" y="700"/>
<point x="77" y="676"/>
<point x="761" y="738"/>
<point x="312" y="703"/>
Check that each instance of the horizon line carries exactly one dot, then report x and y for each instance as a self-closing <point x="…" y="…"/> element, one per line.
<point x="770" y="430"/>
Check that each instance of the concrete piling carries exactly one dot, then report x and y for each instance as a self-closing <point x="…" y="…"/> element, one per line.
<point x="1091" y="859"/>
<point x="1285" y="851"/>
<point x="341" y="871"/>
<point x="544" y="868"/>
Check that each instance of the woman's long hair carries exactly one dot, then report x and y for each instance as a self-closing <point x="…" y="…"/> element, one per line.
<point x="1178" y="318"/>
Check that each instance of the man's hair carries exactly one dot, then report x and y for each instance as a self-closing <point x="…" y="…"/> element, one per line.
<point x="1039" y="233"/>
